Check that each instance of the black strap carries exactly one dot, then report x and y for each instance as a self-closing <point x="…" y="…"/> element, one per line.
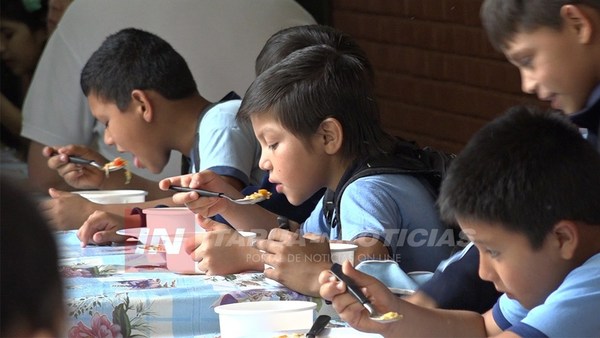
<point x="427" y="164"/>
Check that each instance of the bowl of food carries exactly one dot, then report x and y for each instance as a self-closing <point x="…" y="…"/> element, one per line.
<point x="113" y="196"/>
<point x="238" y="319"/>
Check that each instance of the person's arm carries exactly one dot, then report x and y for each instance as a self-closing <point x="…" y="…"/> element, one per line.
<point x="41" y="177"/>
<point x="65" y="210"/>
<point x="86" y="177"/>
<point x="241" y="217"/>
<point x="223" y="251"/>
<point x="295" y="261"/>
<point x="415" y="320"/>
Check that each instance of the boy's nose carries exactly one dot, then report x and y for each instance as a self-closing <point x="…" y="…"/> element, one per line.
<point x="264" y="163"/>
<point x="528" y="84"/>
<point x="486" y="272"/>
<point x="108" y="138"/>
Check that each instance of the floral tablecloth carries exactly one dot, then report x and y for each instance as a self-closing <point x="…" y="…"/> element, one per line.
<point x="122" y="291"/>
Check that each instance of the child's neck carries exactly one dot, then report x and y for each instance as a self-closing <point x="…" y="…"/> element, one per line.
<point x="189" y="109"/>
<point x="589" y="243"/>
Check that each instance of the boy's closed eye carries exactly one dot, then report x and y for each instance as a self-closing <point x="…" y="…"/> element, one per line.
<point x="492" y="253"/>
<point x="273" y="146"/>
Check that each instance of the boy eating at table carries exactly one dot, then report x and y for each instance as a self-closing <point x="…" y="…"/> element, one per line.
<point x="525" y="190"/>
<point x="142" y="90"/>
<point x="316" y="120"/>
<point x="556" y="46"/>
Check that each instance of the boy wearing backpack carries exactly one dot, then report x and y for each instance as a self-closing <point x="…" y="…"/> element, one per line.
<point x="539" y="242"/>
<point x="315" y="118"/>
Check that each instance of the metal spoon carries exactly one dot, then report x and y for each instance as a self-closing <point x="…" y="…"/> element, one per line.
<point x="318" y="326"/>
<point x="79" y="160"/>
<point x="354" y="290"/>
<point x="206" y="193"/>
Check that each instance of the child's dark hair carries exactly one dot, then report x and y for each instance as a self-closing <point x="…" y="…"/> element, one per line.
<point x="32" y="288"/>
<point x="316" y="83"/>
<point x="135" y="59"/>
<point x="30" y="12"/>
<point x="527" y="170"/>
<point x="503" y="18"/>
<point x="288" y="40"/>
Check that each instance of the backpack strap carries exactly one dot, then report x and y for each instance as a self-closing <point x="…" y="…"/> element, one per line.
<point x="428" y="165"/>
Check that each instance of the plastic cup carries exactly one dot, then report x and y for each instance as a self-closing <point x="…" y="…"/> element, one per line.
<point x="341" y="252"/>
<point x="168" y="228"/>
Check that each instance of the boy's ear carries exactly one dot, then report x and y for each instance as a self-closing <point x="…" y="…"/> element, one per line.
<point x="142" y="104"/>
<point x="331" y="134"/>
<point x="566" y="236"/>
<point x="578" y="20"/>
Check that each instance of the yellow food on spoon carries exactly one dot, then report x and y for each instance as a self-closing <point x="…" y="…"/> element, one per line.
<point x="261" y="193"/>
<point x="389" y="315"/>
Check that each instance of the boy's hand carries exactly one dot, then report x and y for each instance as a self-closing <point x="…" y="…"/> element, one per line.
<point x="349" y="308"/>
<point x="101" y="228"/>
<point x="296" y="261"/>
<point x="76" y="175"/>
<point x="202" y="206"/>
<point x="66" y="211"/>
<point x="222" y="252"/>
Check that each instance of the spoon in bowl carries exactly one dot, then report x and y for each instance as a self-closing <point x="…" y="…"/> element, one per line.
<point x="354" y="290"/>
<point x="250" y="199"/>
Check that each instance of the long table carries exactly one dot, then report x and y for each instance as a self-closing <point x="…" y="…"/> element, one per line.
<point x="126" y="289"/>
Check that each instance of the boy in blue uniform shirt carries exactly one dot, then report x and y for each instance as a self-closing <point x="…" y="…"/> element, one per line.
<point x="150" y="105"/>
<point x="316" y="120"/>
<point x="556" y="46"/>
<point x="525" y="191"/>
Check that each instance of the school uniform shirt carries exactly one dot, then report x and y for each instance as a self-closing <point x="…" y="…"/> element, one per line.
<point x="569" y="311"/>
<point x="395" y="209"/>
<point x="225" y="146"/>
<point x="589" y="118"/>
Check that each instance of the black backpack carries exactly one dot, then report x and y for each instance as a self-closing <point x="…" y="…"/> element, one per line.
<point x="429" y="165"/>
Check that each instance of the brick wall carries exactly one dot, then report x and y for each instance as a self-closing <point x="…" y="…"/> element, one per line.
<point x="438" y="80"/>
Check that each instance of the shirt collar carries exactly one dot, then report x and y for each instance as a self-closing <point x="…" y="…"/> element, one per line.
<point x="589" y="116"/>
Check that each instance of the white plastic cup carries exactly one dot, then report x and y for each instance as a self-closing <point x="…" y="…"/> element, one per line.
<point x="113" y="196"/>
<point x="250" y="236"/>
<point x="240" y="319"/>
<point x="341" y="252"/>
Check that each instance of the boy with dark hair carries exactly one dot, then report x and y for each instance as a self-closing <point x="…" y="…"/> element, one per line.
<point x="539" y="242"/>
<point x="556" y="46"/>
<point x="317" y="122"/>
<point x="142" y="90"/>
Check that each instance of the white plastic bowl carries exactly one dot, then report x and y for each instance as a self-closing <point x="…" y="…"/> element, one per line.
<point x="113" y="196"/>
<point x="240" y="319"/>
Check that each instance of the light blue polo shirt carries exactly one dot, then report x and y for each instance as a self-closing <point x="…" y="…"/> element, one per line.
<point x="572" y="310"/>
<point x="397" y="210"/>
